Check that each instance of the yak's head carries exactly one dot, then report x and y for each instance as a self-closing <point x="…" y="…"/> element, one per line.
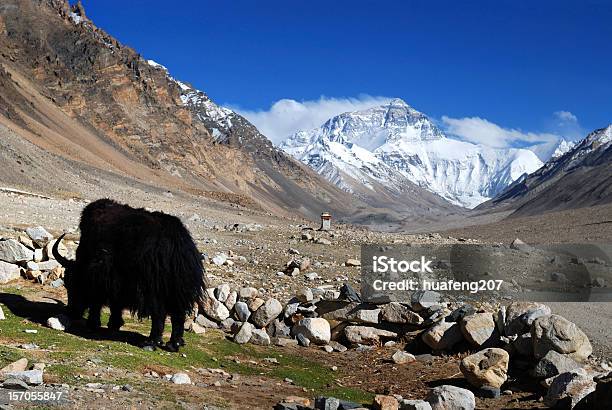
<point x="75" y="296"/>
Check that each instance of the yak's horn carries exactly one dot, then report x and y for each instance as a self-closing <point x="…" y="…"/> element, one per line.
<point x="65" y="262"/>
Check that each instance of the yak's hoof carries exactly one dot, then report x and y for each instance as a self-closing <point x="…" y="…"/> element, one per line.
<point x="174" y="345"/>
<point x="150" y="345"/>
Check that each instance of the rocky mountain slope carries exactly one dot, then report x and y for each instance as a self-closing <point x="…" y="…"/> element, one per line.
<point x="580" y="177"/>
<point x="69" y="92"/>
<point x="395" y="145"/>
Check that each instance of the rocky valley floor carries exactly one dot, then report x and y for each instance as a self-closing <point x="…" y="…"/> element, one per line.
<point x="104" y="369"/>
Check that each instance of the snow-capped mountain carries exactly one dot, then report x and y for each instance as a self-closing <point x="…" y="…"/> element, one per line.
<point x="394" y="143"/>
<point x="580" y="177"/>
<point x="562" y="147"/>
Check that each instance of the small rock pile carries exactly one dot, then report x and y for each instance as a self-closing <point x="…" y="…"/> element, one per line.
<point x="18" y="375"/>
<point x="30" y="256"/>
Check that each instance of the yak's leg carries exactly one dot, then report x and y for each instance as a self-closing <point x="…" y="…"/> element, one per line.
<point x="158" y="320"/>
<point x="116" y="320"/>
<point x="93" y="319"/>
<point x="178" y="329"/>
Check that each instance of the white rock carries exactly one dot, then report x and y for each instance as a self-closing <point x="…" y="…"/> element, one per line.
<point x="317" y="330"/>
<point x="304" y="295"/>
<point x="414" y="405"/>
<point x="2" y="317"/>
<point x="267" y="312"/>
<point x="9" y="272"/>
<point x="554" y="332"/>
<point x="231" y="300"/>
<point x="222" y="292"/>
<point x="60" y="322"/>
<point x="520" y="315"/>
<point x="244" y="334"/>
<point x="443" y="335"/>
<point x="242" y="311"/>
<point x="260" y="337"/>
<point x="214" y="309"/>
<point x="12" y="251"/>
<point x="402" y="357"/>
<point x="248" y="293"/>
<point x="219" y="259"/>
<point x="180" y="378"/>
<point x="366" y="334"/>
<point x="423" y="299"/>
<point x="33" y="377"/>
<point x="478" y="328"/>
<point x="39" y="235"/>
<point x="451" y="398"/>
<point x="48" y="265"/>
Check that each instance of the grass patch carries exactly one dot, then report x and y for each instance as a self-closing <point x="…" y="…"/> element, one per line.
<point x="67" y="355"/>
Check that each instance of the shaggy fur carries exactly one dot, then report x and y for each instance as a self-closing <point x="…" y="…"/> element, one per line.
<point x="134" y="259"/>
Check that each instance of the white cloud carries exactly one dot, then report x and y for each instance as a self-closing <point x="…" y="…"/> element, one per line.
<point x="287" y="116"/>
<point x="481" y="131"/>
<point x="565" y="117"/>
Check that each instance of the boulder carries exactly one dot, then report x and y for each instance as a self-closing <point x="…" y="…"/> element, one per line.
<point x="2" y="317"/>
<point x="48" y="265"/>
<point x="180" y="378"/>
<point x="442" y="335"/>
<point x="222" y="292"/>
<point x="520" y="315"/>
<point x="231" y="300"/>
<point x="451" y="398"/>
<point x="424" y="299"/>
<point x="255" y="303"/>
<point x="402" y="357"/>
<point x="16" y="366"/>
<point x="304" y="295"/>
<point x="206" y="322"/>
<point x="383" y="402"/>
<point x="12" y="251"/>
<point x="567" y="389"/>
<point x="9" y="272"/>
<point x="479" y="329"/>
<point x="367" y="335"/>
<point x="259" y="337"/>
<point x="213" y="308"/>
<point x="39" y="235"/>
<point x="316" y="330"/>
<point x="247" y="293"/>
<point x="60" y="322"/>
<point x="554" y="363"/>
<point x="554" y="332"/>
<point x="33" y="377"/>
<point x="267" y="312"/>
<point x="242" y="311"/>
<point x="488" y="367"/>
<point x="244" y="334"/>
<point x="395" y="312"/>
<point x="414" y="405"/>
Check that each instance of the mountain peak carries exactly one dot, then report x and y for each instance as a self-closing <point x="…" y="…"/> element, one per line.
<point x="398" y="102"/>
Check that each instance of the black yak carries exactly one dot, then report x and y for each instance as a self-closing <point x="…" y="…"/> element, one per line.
<point x="133" y="259"/>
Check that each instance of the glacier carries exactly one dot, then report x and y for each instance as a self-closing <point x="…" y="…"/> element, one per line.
<point x="393" y="143"/>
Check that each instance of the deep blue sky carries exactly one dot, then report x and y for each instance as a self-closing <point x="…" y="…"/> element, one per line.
<point x="511" y="62"/>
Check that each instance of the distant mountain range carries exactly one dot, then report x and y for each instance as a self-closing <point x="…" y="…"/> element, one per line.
<point x="393" y="144"/>
<point x="581" y="176"/>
